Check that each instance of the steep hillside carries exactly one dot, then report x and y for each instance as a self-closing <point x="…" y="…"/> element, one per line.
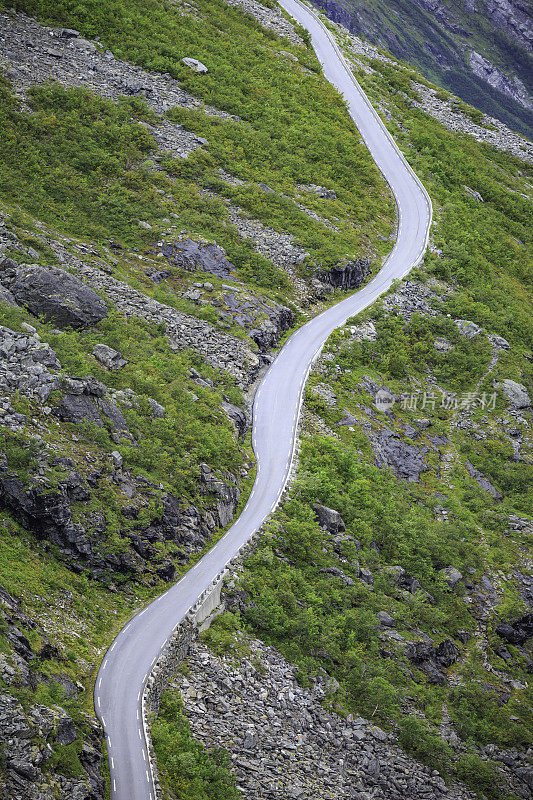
<point x="163" y="224"/>
<point x="480" y="51"/>
<point x="161" y="230"/>
<point x="396" y="580"/>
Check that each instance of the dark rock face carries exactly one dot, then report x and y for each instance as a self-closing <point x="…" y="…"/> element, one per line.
<point x="279" y="319"/>
<point x="329" y="519"/>
<point x="237" y="416"/>
<point x="46" y="513"/>
<point x="347" y="276"/>
<point x="405" y="460"/>
<point x="86" y="401"/>
<point x="186" y="525"/>
<point x="431" y="661"/>
<point x="263" y="319"/>
<point x="192" y="255"/>
<point x="58" y="296"/>
<point x="517" y="632"/>
<point x="226" y="496"/>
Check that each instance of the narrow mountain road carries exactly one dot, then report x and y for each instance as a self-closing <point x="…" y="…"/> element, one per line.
<point x="128" y="662"/>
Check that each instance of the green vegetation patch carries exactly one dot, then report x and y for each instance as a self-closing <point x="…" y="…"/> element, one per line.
<point x="187" y="769"/>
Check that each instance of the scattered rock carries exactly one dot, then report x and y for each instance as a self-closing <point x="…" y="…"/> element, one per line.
<point x="443" y="345"/>
<point x="386" y="620"/>
<point x="515" y="393"/>
<point x="195" y="65"/>
<point x="467" y="328"/>
<point x="329" y="519"/>
<point x="108" y="358"/>
<point x="320" y="191"/>
<point x="337" y="573"/>
<point x="285" y="744"/>
<point x="473" y="194"/>
<point x="451" y="575"/>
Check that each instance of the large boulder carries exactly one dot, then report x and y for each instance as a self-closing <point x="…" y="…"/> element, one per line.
<point x="405" y="460"/>
<point x="329" y="519"/>
<point x="198" y="256"/>
<point x="194" y="64"/>
<point x="467" y="328"/>
<point x="515" y="392"/>
<point x="57" y="296"/>
<point x="108" y="358"/>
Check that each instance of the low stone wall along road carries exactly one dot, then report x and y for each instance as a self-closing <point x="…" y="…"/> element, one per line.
<point x="128" y="663"/>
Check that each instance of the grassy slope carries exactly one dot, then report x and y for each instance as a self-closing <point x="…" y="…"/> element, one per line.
<point x="293" y="128"/>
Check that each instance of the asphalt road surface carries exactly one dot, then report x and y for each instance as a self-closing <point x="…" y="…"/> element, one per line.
<point x="128" y="662"/>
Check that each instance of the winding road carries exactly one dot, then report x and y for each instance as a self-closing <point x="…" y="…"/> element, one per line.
<point x="129" y="661"/>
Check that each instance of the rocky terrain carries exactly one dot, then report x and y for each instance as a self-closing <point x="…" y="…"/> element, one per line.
<point x="32" y="736"/>
<point x="284" y="743"/>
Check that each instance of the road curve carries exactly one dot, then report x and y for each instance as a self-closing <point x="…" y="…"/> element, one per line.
<point x="129" y="661"/>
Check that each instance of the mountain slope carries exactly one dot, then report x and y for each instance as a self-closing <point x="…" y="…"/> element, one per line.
<point x="161" y="231"/>
<point x="479" y="51"/>
<point x="396" y="579"/>
<point x="185" y="211"/>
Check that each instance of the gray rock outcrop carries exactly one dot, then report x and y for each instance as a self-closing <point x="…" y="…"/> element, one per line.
<point x="108" y="358"/>
<point x="405" y="460"/>
<point x="511" y="86"/>
<point x="483" y="481"/>
<point x="193" y="255"/>
<point x="515" y="393"/>
<point x="451" y="575"/>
